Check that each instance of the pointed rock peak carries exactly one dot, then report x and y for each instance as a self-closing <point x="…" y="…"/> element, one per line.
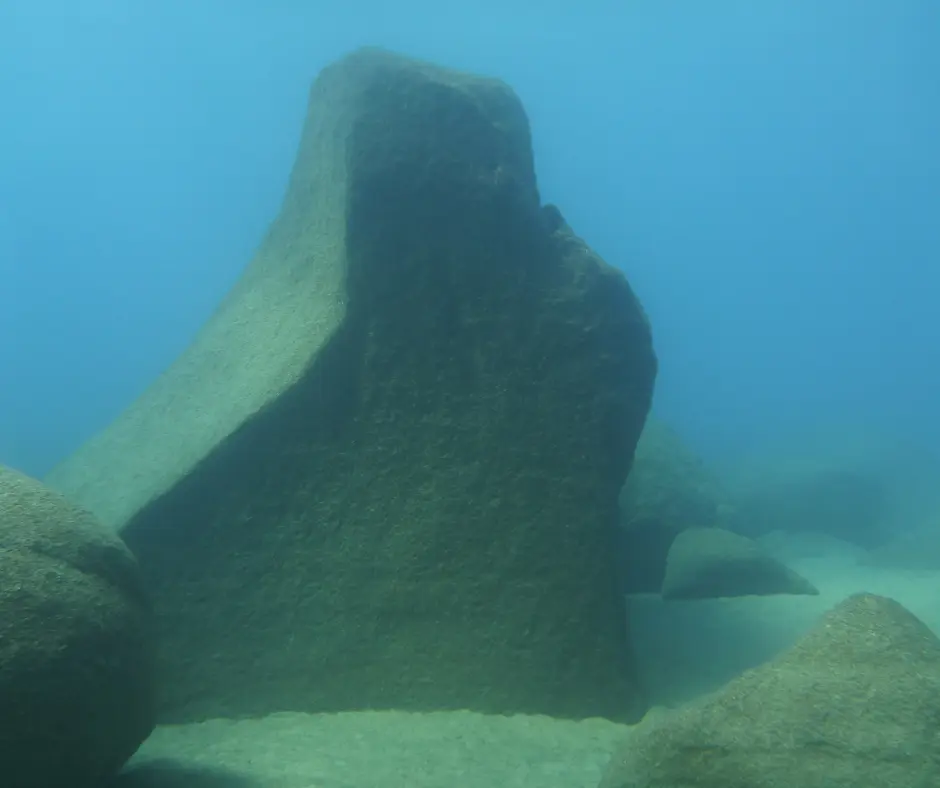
<point x="854" y="703"/>
<point x="868" y="628"/>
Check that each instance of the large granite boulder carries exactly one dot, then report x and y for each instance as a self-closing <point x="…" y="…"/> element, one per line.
<point x="669" y="489"/>
<point x="854" y="703"/>
<point x="76" y="643"/>
<point x="385" y="474"/>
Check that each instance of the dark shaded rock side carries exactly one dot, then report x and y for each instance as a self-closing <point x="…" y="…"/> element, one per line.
<point x="668" y="490"/>
<point x="385" y="475"/>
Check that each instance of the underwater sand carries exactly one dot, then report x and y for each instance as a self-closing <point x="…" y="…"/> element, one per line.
<point x="687" y="648"/>
<point x="376" y="750"/>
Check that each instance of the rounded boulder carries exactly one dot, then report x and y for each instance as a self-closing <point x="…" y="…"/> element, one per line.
<point x="76" y="642"/>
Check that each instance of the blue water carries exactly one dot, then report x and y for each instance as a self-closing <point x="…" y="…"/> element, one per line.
<point x="766" y="173"/>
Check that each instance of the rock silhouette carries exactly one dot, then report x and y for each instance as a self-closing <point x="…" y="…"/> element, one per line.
<point x="385" y="474"/>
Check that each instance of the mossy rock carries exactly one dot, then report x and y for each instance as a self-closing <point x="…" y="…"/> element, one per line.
<point x="385" y="474"/>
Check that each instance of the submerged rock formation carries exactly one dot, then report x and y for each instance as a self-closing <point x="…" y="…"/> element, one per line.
<point x="385" y="475"/>
<point x="855" y="484"/>
<point x="669" y="490"/>
<point x="854" y="703"/>
<point x="707" y="563"/>
<point x="77" y="694"/>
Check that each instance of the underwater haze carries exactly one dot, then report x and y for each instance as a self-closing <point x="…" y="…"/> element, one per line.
<point x="354" y="467"/>
<point x="767" y="175"/>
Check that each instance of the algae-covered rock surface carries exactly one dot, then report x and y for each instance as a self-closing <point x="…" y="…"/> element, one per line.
<point x="385" y="474"/>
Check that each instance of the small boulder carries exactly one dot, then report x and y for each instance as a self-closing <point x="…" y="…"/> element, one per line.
<point x="76" y="651"/>
<point x="854" y="703"/>
<point x="704" y="563"/>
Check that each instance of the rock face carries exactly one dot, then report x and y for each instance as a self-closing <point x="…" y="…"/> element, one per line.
<point x="76" y="647"/>
<point x="854" y="703"/>
<point x="386" y="473"/>
<point x="669" y="489"/>
<point x="705" y="563"/>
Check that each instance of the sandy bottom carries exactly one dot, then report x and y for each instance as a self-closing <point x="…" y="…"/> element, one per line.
<point x="376" y="750"/>
<point x="685" y="649"/>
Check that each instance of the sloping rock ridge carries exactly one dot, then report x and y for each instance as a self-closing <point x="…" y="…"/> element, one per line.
<point x="854" y="703"/>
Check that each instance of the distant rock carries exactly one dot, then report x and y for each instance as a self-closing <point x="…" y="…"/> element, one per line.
<point x="668" y="490"/>
<point x="385" y="474"/>
<point x="76" y="647"/>
<point x="854" y="703"/>
<point x="915" y="550"/>
<point x="856" y="485"/>
<point x="790" y="546"/>
<point x="710" y="562"/>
